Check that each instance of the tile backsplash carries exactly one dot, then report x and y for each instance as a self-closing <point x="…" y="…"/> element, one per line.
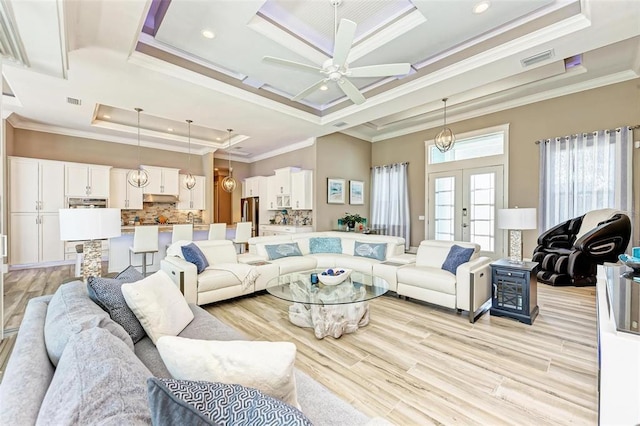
<point x="151" y="211"/>
<point x="291" y="217"/>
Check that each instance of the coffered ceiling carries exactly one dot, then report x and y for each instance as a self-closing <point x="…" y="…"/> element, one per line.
<point x="90" y="63"/>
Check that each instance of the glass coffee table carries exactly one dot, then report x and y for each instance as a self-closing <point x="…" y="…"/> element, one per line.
<point x="331" y="310"/>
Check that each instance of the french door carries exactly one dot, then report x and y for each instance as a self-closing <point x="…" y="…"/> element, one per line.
<point x="463" y="205"/>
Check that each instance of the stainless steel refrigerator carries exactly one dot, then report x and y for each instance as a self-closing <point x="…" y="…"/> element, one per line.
<point x="250" y="212"/>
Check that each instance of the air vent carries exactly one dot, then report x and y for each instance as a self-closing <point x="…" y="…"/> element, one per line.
<point x="74" y="101"/>
<point x="540" y="57"/>
<point x="340" y="124"/>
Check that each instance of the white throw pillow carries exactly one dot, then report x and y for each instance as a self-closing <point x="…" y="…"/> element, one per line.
<point x="158" y="305"/>
<point x="266" y="366"/>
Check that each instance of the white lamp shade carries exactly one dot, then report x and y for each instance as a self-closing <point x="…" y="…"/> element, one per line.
<point x="89" y="224"/>
<point x="517" y="218"/>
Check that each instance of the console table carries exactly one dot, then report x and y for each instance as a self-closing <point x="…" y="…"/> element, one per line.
<point x="514" y="290"/>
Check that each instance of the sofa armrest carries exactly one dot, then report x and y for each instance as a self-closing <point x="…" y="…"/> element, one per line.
<point x="473" y="282"/>
<point x="184" y="274"/>
<point x="405" y="259"/>
<point x="250" y="257"/>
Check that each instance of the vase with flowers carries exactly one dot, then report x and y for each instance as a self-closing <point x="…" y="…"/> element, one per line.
<point x="351" y="219"/>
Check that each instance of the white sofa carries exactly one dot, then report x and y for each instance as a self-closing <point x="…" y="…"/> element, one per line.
<point x="466" y="290"/>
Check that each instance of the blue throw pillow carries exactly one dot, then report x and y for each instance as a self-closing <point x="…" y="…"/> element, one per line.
<point x="325" y="245"/>
<point x="173" y="402"/>
<point x="376" y="251"/>
<point x="277" y="251"/>
<point x="193" y="254"/>
<point x="456" y="257"/>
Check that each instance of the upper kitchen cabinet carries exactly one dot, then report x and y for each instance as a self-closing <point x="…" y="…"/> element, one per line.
<point x="191" y="199"/>
<point x="122" y="194"/>
<point x="162" y="180"/>
<point x="86" y="180"/>
<point x="253" y="186"/>
<point x="35" y="185"/>
<point x="302" y="190"/>
<point x="283" y="180"/>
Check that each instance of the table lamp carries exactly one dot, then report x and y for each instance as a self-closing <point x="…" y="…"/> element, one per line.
<point x="515" y="220"/>
<point x="90" y="225"/>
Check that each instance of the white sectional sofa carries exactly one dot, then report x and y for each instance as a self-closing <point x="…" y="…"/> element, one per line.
<point x="415" y="276"/>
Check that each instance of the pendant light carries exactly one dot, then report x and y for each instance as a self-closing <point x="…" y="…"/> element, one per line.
<point x="138" y="178"/>
<point x="229" y="183"/>
<point x="189" y="181"/>
<point x="445" y="139"/>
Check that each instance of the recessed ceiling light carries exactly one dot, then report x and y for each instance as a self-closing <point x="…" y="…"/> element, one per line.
<point x="218" y="139"/>
<point x="170" y="129"/>
<point x="106" y="116"/>
<point x="324" y="87"/>
<point x="481" y="7"/>
<point x="208" y="34"/>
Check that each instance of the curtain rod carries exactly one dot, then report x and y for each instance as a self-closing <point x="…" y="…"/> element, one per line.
<point x="637" y="126"/>
<point x="390" y="165"/>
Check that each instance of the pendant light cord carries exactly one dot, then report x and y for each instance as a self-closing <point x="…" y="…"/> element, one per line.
<point x="189" y="136"/>
<point x="445" y="111"/>
<point x="229" y="148"/>
<point x="138" y="111"/>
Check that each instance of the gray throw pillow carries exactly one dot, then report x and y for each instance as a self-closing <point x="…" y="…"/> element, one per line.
<point x="71" y="311"/>
<point x="277" y="251"/>
<point x="98" y="380"/>
<point x="107" y="293"/>
<point x="456" y="257"/>
<point x="206" y="403"/>
<point x="376" y="251"/>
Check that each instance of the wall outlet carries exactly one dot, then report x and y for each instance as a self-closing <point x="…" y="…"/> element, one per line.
<point x="420" y="217"/>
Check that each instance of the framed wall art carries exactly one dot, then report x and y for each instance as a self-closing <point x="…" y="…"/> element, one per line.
<point x="356" y="192"/>
<point x="335" y="191"/>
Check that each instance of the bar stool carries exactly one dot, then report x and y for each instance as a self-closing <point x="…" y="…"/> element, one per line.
<point x="243" y="233"/>
<point x="145" y="241"/>
<point x="183" y="231"/>
<point x="218" y="231"/>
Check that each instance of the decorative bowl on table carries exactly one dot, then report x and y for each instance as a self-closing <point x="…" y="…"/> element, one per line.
<point x="334" y="276"/>
<point x="631" y="262"/>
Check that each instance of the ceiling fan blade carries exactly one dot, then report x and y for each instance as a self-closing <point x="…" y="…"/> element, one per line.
<point x="309" y="90"/>
<point x="344" y="40"/>
<point x="351" y="91"/>
<point x="291" y="64"/>
<point x="382" y="70"/>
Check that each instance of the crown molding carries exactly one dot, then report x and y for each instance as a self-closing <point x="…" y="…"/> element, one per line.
<point x="292" y="147"/>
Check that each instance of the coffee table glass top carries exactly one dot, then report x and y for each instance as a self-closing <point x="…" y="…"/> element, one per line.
<point x="296" y="287"/>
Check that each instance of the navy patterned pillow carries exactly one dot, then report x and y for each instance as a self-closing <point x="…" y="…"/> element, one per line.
<point x="456" y="257"/>
<point x="193" y="254"/>
<point x="325" y="245"/>
<point x="174" y="402"/>
<point x="376" y="251"/>
<point x="107" y="293"/>
<point x="277" y="251"/>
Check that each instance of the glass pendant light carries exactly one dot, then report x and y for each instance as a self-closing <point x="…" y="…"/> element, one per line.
<point x="445" y="139"/>
<point x="229" y="183"/>
<point x="138" y="178"/>
<point x="189" y="181"/>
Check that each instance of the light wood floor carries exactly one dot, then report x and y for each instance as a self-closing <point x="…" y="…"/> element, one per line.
<point x="417" y="364"/>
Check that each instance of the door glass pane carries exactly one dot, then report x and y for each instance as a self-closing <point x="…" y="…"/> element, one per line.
<point x="444" y="208"/>
<point x="482" y="210"/>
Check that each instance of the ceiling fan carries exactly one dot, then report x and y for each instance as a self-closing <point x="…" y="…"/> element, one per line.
<point x="337" y="69"/>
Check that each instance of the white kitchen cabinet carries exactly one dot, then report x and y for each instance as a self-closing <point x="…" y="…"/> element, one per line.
<point x="162" y="180"/>
<point x="35" y="185"/>
<point x="302" y="190"/>
<point x="86" y="180"/>
<point x="35" y="238"/>
<point x="252" y="187"/>
<point x="191" y="199"/>
<point x="272" y="192"/>
<point x="122" y="195"/>
<point x="283" y="179"/>
<point x="268" y="230"/>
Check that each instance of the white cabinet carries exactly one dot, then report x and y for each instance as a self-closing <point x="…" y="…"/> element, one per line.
<point x="252" y="186"/>
<point x="121" y="194"/>
<point x="302" y="190"/>
<point x="162" y="180"/>
<point x="191" y="199"/>
<point x="283" y="179"/>
<point x="35" y="185"/>
<point x="35" y="237"/>
<point x="272" y="194"/>
<point x="268" y="230"/>
<point x="86" y="180"/>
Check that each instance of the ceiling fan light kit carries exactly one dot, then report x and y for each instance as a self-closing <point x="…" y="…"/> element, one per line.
<point x="139" y="177"/>
<point x="445" y="138"/>
<point x="337" y="69"/>
<point x="229" y="183"/>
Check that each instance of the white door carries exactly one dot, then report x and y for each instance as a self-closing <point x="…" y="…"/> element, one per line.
<point x="463" y="205"/>
<point x="51" y="248"/>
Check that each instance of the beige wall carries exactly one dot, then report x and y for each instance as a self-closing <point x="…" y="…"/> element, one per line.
<point x="304" y="158"/>
<point x="602" y="108"/>
<point x="239" y="172"/>
<point x="345" y="157"/>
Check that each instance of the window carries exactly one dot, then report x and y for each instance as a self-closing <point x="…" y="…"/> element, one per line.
<point x="471" y="147"/>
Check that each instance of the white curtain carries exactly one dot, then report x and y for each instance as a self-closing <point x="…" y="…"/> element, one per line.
<point x="390" y="200"/>
<point x="584" y="172"/>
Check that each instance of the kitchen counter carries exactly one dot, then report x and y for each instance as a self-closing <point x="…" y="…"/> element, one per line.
<point x="129" y="229"/>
